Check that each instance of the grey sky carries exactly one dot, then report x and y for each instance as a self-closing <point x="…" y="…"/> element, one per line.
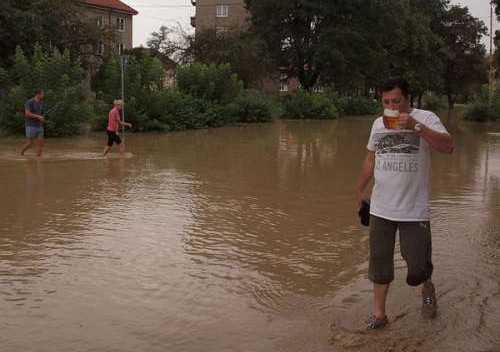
<point x="154" y="13"/>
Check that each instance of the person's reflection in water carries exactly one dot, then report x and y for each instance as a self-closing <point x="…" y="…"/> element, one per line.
<point x="115" y="169"/>
<point x="34" y="189"/>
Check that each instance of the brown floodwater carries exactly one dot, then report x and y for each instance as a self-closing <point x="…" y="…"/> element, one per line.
<point x="235" y="239"/>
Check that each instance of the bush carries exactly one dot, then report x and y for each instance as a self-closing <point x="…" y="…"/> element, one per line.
<point x="478" y="111"/>
<point x="5" y="81"/>
<point x="73" y="113"/>
<point x="143" y="79"/>
<point x="357" y="105"/>
<point x="306" y="105"/>
<point x="205" y="96"/>
<point x="12" y="111"/>
<point x="433" y="102"/>
<point x="218" y="115"/>
<point x="483" y="108"/>
<point x="60" y="77"/>
<point x="208" y="82"/>
<point x="174" y="110"/>
<point x="253" y="106"/>
<point x="101" y="111"/>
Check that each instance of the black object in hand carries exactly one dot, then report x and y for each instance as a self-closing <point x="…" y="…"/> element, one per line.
<point x="51" y="111"/>
<point x="364" y="213"/>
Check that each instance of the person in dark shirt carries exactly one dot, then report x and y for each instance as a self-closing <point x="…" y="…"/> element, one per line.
<point x="33" y="112"/>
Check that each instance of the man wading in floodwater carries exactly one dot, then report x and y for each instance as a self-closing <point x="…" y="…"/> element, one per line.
<point x="114" y="123"/>
<point x="33" y="112"/>
<point x="399" y="160"/>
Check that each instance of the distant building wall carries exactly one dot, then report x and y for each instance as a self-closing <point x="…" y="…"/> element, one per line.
<point x="120" y="22"/>
<point x="220" y="14"/>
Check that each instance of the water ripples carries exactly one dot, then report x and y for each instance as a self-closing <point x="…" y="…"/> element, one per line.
<point x="236" y="237"/>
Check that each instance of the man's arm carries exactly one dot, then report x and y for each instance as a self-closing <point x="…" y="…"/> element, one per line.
<point x="442" y="142"/>
<point x="365" y="176"/>
<point x="29" y="114"/>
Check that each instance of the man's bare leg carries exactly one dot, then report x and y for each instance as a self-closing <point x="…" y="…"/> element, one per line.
<point x="26" y="146"/>
<point x="39" y="143"/>
<point x="379" y="298"/>
<point x="428" y="287"/>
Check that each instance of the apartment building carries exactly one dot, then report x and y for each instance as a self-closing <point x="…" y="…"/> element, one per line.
<point x="114" y="15"/>
<point x="229" y="15"/>
<point x="219" y="15"/>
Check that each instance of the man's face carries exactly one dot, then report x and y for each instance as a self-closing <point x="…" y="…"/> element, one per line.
<point x="40" y="95"/>
<point x="395" y="100"/>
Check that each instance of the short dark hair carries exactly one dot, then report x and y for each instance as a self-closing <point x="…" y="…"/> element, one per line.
<point x="396" y="82"/>
<point x="37" y="91"/>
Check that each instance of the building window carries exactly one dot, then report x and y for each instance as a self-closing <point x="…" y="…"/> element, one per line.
<point x="100" y="48"/>
<point x="222" y="11"/>
<point x="100" y="21"/>
<point x="121" y="48"/>
<point x="220" y="31"/>
<point x="120" y="24"/>
<point x="283" y="82"/>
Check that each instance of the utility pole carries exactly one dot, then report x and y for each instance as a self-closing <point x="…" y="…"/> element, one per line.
<point x="123" y="64"/>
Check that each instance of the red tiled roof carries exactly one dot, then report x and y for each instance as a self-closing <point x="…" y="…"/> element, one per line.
<point x="111" y="4"/>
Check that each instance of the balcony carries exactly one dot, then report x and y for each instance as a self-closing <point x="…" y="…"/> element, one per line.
<point x="193" y="21"/>
<point x="193" y="2"/>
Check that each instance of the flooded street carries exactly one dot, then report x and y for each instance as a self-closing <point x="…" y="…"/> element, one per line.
<point x="236" y="239"/>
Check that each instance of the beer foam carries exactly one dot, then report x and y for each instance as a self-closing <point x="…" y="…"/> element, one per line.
<point x="391" y="113"/>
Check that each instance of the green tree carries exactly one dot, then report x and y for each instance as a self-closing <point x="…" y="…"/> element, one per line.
<point x="208" y="82"/>
<point x="60" y="76"/>
<point x="143" y="79"/>
<point x="51" y="23"/>
<point x="292" y="30"/>
<point x="207" y="96"/>
<point x="351" y="44"/>
<point x="364" y="45"/>
<point x="465" y="64"/>
<point x="421" y="58"/>
<point x="496" y="39"/>
<point x="244" y="51"/>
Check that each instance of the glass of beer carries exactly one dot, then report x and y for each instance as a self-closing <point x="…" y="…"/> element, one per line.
<point x="391" y="119"/>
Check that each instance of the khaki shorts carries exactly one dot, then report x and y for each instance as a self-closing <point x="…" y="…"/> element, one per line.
<point x="33" y="132"/>
<point x="416" y="249"/>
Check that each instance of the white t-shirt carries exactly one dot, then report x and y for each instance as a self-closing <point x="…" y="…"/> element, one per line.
<point x="402" y="169"/>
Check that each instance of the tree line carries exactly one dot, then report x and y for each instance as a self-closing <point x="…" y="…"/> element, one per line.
<point x="346" y="46"/>
<point x="352" y="45"/>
